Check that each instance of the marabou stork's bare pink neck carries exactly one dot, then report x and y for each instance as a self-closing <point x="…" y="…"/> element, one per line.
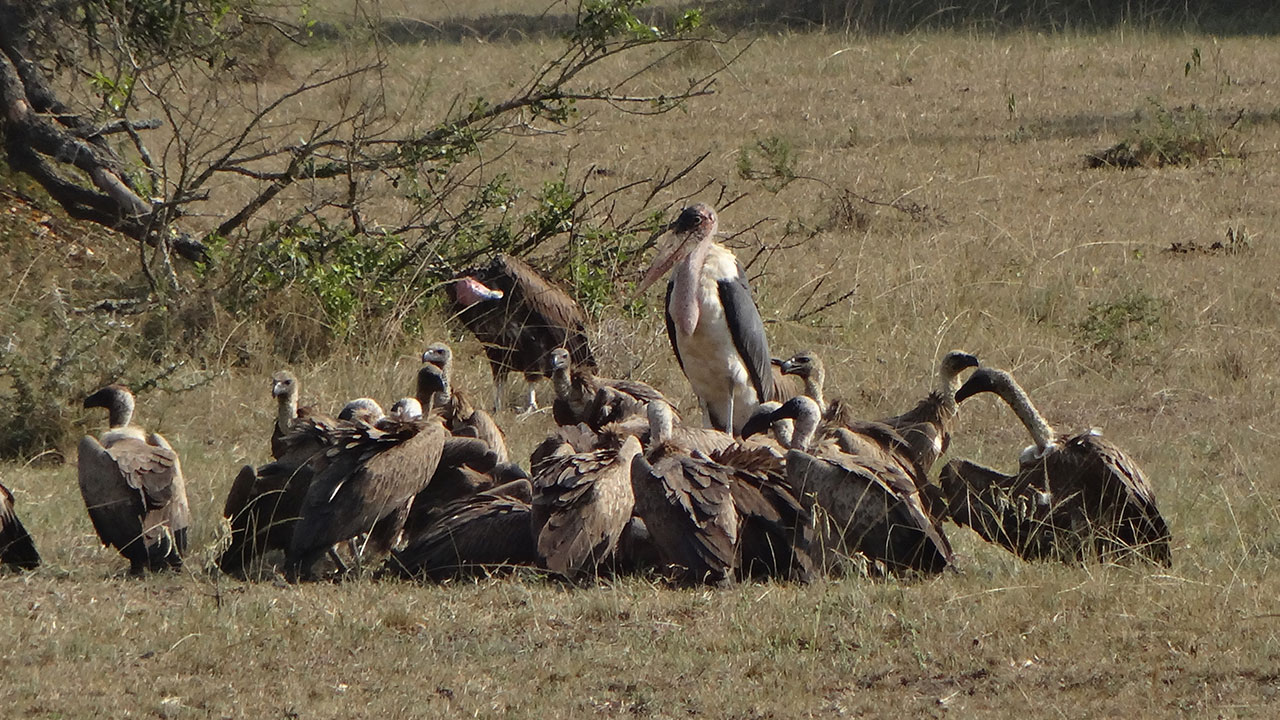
<point x="687" y="282"/>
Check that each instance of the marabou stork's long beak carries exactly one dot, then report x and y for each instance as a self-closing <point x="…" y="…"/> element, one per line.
<point x="667" y="257"/>
<point x="470" y="291"/>
<point x="694" y="223"/>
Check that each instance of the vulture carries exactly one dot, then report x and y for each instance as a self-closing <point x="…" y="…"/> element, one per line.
<point x="582" y="502"/>
<point x="775" y="530"/>
<point x="713" y="323"/>
<point x="436" y="392"/>
<point x="133" y="487"/>
<point x="1073" y="498"/>
<point x="686" y="502"/>
<point x="16" y="548"/>
<point x="927" y="426"/>
<point x="364" y="484"/>
<point x="520" y="318"/>
<point x="284" y="388"/>
<point x="474" y="534"/>
<point x="263" y="505"/>
<point x="578" y="397"/>
<point x="863" y="488"/>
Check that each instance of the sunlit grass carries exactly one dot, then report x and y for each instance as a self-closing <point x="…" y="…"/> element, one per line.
<point x="1015" y="251"/>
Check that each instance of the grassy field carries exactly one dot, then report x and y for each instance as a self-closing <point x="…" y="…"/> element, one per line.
<point x="943" y="178"/>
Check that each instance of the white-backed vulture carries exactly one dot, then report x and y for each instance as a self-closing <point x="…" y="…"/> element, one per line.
<point x="576" y="394"/>
<point x="479" y="533"/>
<point x="713" y="323"/>
<point x="364" y="485"/>
<point x="437" y="394"/>
<point x="16" y="548"/>
<point x="927" y="426"/>
<point x="686" y="502"/>
<point x="133" y="487"/>
<point x="1073" y="498"/>
<point x="582" y="502"/>
<point x="520" y="318"/>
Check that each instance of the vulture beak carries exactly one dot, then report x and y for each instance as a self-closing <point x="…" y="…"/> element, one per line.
<point x="471" y="291"/>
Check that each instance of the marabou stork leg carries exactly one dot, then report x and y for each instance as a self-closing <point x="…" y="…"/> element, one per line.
<point x="728" y="418"/>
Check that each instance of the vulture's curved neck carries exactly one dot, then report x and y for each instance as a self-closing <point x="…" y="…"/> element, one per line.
<point x="561" y="381"/>
<point x="660" y="424"/>
<point x="814" y="385"/>
<point x="1041" y="432"/>
<point x="286" y="410"/>
<point x="806" y="425"/>
<point x="120" y="412"/>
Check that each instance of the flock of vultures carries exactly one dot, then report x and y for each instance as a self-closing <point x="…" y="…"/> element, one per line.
<point x="779" y="481"/>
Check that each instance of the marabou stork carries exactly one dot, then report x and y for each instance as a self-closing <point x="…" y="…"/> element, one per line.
<point x="713" y="324"/>
<point x="520" y="318"/>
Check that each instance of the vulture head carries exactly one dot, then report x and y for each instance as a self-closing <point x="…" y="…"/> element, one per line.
<point x="406" y="409"/>
<point x="365" y="410"/>
<point x="559" y="360"/>
<point x="118" y="401"/>
<point x="953" y="364"/>
<point x="284" y="386"/>
<point x="804" y="365"/>
<point x="991" y="380"/>
<point x="801" y="409"/>
<point x="468" y="291"/>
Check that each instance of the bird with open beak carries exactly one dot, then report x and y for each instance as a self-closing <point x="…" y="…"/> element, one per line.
<point x="712" y="321"/>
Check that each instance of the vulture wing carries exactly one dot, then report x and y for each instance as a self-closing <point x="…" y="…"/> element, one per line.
<point x="16" y="547"/>
<point x="115" y="505"/>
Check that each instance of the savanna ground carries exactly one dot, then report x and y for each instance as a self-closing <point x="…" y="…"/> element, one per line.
<point x="942" y="176"/>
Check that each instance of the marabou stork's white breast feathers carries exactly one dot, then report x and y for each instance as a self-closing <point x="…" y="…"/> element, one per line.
<point x="727" y="342"/>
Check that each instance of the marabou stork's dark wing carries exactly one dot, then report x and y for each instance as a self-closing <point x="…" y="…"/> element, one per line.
<point x="747" y="330"/>
<point x="671" y="324"/>
<point x="16" y="548"/>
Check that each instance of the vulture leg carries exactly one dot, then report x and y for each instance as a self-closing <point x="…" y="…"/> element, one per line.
<point x="499" y="389"/>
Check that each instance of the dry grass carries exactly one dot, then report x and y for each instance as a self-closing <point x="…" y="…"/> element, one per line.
<point x="1016" y="252"/>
